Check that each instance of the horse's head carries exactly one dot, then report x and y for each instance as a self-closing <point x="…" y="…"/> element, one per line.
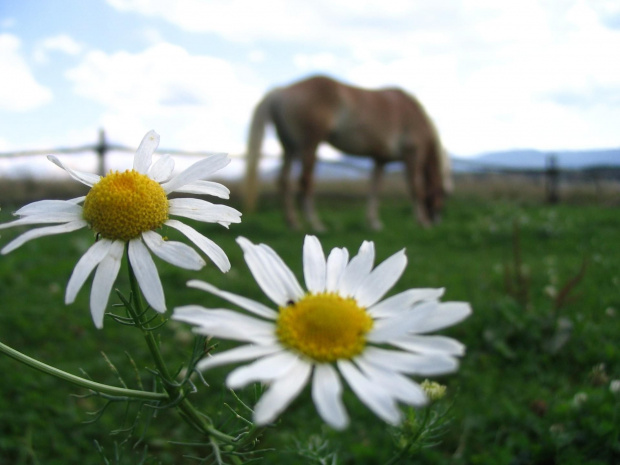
<point x="434" y="203"/>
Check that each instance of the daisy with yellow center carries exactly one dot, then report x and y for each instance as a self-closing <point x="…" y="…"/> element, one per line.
<point x="125" y="209"/>
<point x="338" y="328"/>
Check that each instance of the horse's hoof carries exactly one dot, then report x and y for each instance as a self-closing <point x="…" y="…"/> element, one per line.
<point x="319" y="228"/>
<point x="376" y="225"/>
<point x="294" y="226"/>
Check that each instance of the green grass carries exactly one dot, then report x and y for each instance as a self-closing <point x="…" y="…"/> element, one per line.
<point x="513" y="397"/>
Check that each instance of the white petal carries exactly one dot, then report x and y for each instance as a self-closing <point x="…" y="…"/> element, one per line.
<point x="281" y="393"/>
<point x="42" y="218"/>
<point x="85" y="178"/>
<point x="273" y="276"/>
<point x="314" y="265"/>
<point x="204" y="211"/>
<point x="336" y="264"/>
<point x="173" y="252"/>
<point x="386" y="329"/>
<point x="264" y="370"/>
<point x="282" y="272"/>
<point x="144" y="155"/>
<point x="413" y="318"/>
<point x="104" y="279"/>
<point x="93" y="256"/>
<point x="146" y="274"/>
<point x="447" y="314"/>
<point x="162" y="169"/>
<point x="243" y="302"/>
<point x="327" y="396"/>
<point x="197" y="171"/>
<point x="42" y="207"/>
<point x="77" y="200"/>
<point x="210" y="248"/>
<point x="381" y="279"/>
<point x="397" y="385"/>
<point x="238" y="354"/>
<point x="206" y="188"/>
<point x="405" y="362"/>
<point x="227" y="324"/>
<point x="430" y="345"/>
<point x="402" y="302"/>
<point x="40" y="232"/>
<point x="371" y="394"/>
<point x="357" y="270"/>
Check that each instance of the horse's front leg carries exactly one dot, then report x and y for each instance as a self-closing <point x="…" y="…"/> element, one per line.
<point x="421" y="212"/>
<point x="417" y="190"/>
<point x="307" y="191"/>
<point x="372" y="210"/>
<point x="286" y="193"/>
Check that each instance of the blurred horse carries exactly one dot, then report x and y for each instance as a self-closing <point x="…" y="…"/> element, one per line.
<point x="386" y="125"/>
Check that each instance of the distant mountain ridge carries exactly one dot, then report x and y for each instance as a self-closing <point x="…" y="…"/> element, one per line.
<point x="536" y="159"/>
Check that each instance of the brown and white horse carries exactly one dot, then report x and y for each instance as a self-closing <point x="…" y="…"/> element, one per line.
<point x="386" y="125"/>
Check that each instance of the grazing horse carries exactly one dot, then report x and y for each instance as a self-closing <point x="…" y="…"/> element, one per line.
<point x="386" y="125"/>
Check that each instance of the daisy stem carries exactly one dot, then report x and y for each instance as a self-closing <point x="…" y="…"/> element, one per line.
<point x="411" y="442"/>
<point x="85" y="383"/>
<point x="173" y="389"/>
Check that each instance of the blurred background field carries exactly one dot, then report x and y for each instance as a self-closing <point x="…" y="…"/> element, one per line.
<point x="533" y="388"/>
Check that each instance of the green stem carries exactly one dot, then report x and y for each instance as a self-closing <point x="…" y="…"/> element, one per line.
<point x="405" y="450"/>
<point x="174" y="391"/>
<point x="85" y="383"/>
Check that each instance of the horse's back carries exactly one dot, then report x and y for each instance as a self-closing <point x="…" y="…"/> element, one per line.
<point x="304" y="112"/>
<point x="380" y="123"/>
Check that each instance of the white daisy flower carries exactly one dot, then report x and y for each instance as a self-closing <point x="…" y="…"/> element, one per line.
<point x="339" y="327"/>
<point x="125" y="209"/>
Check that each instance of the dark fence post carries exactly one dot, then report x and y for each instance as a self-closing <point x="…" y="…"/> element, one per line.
<point x="552" y="177"/>
<point x="101" y="148"/>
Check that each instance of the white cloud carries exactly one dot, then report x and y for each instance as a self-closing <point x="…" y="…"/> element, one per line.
<point x="238" y="20"/>
<point x="510" y="75"/>
<point x="152" y="35"/>
<point x="19" y="90"/>
<point x="203" y="102"/>
<point x="493" y="75"/>
<point x="62" y="43"/>
<point x="313" y="62"/>
<point x="257" y="56"/>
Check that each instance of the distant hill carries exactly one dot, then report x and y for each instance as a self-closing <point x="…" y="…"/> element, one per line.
<point x="535" y="159"/>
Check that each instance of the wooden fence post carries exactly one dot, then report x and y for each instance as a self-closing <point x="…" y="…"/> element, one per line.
<point x="101" y="148"/>
<point x="552" y="177"/>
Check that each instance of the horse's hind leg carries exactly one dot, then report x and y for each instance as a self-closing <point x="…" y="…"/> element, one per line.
<point x="286" y="193"/>
<point x="307" y="190"/>
<point x="372" y="211"/>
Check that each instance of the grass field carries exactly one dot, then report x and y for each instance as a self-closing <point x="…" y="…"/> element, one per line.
<point x="533" y="388"/>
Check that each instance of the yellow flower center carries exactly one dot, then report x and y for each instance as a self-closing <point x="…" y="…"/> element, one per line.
<point x="324" y="327"/>
<point x="124" y="205"/>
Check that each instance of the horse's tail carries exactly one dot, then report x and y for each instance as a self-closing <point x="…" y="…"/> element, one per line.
<point x="261" y="116"/>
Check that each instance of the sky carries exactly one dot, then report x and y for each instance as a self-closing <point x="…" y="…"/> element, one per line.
<point x="540" y="74"/>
